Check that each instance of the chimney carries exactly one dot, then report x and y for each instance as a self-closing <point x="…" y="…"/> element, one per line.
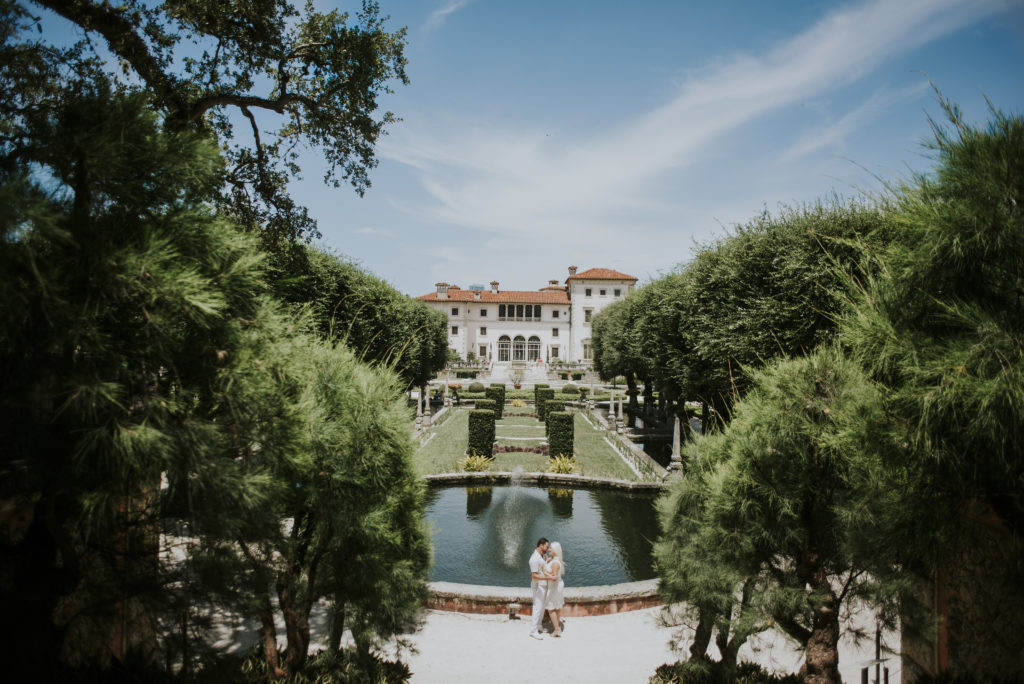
<point x="494" y="286"/>
<point x="476" y="294"/>
<point x="572" y="271"/>
<point x="553" y="282"/>
<point x="442" y="290"/>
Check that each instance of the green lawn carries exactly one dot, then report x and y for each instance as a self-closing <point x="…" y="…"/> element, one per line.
<point x="447" y="446"/>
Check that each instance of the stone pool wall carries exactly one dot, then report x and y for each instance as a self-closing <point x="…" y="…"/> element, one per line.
<point x="579" y="601"/>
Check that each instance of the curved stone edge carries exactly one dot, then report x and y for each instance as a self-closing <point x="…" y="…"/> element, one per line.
<point x="579" y="601"/>
<point x="543" y="479"/>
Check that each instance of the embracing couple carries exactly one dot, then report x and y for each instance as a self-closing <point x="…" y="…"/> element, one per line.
<point x="546" y="571"/>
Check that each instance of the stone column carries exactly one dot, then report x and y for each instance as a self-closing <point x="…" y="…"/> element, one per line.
<point x="676" y="465"/>
<point x="621" y="424"/>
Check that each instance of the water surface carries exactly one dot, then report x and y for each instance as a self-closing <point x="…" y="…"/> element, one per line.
<point x="485" y="535"/>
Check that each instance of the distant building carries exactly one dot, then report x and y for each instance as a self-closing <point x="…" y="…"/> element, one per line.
<point x="549" y="324"/>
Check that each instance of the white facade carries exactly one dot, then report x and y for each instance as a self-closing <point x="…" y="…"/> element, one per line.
<point x="550" y="324"/>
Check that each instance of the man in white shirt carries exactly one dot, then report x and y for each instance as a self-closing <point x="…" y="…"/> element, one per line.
<point x="539" y="584"/>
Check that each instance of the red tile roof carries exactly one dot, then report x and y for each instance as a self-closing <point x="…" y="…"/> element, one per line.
<point x="545" y="296"/>
<point x="601" y="274"/>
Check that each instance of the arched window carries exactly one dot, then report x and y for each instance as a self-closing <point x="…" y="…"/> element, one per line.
<point x="533" y="349"/>
<point x="519" y="348"/>
<point x="504" y="344"/>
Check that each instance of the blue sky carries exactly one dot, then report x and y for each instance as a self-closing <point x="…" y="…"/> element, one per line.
<point x="538" y="135"/>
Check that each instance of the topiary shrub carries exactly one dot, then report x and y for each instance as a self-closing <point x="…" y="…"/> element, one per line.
<point x="537" y="388"/>
<point x="477" y="387"/>
<point x="481" y="432"/>
<point x="497" y="393"/>
<point x="543" y="394"/>
<point x="550" y="406"/>
<point x="487" y="405"/>
<point x="570" y="389"/>
<point x="560" y="434"/>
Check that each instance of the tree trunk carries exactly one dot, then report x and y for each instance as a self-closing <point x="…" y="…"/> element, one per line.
<point x="702" y="635"/>
<point x="633" y="403"/>
<point x="822" y="654"/>
<point x="296" y="625"/>
<point x="648" y="401"/>
<point x="337" y="625"/>
<point x="269" y="636"/>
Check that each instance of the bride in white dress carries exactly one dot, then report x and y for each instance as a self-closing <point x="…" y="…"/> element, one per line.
<point x="555" y="570"/>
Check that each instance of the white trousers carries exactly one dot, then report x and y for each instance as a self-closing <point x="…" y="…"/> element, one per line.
<point x="540" y="597"/>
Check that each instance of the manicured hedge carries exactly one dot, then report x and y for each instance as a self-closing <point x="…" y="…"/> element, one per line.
<point x="536" y="397"/>
<point x="487" y="405"/>
<point x="477" y="387"/>
<point x="543" y="394"/>
<point x="496" y="392"/>
<point x="481" y="432"/>
<point x="570" y="389"/>
<point x="551" y="406"/>
<point x="560" y="434"/>
<point x="466" y="374"/>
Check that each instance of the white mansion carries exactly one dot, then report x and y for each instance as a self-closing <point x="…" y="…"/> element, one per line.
<point x="549" y="324"/>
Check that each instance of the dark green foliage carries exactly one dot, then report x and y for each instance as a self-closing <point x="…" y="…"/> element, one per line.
<point x="469" y="374"/>
<point x="560" y="434"/>
<point x="496" y="393"/>
<point x="551" y="406"/>
<point x="487" y="405"/>
<point x="379" y="323"/>
<point x="300" y="78"/>
<point x="476" y="387"/>
<point x="481" y="433"/>
<point x="326" y="667"/>
<point x="536" y="388"/>
<point x="543" y="394"/>
<point x="699" y="671"/>
<point x="570" y="389"/>
<point x="139" y="345"/>
<point x="780" y="507"/>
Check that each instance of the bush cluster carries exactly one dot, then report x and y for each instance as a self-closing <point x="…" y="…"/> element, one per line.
<point x="570" y="389"/>
<point x="560" y="434"/>
<point x="476" y="387"/>
<point x="481" y="432"/>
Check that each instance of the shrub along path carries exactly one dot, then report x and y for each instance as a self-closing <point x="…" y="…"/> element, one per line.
<point x="442" y="453"/>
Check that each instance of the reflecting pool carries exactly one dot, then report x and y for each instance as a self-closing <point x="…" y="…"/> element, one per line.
<point x="485" y="535"/>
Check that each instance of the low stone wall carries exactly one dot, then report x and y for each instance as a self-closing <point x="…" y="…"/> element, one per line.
<point x="579" y="601"/>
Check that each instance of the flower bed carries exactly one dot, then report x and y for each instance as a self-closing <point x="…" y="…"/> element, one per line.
<point x="542" y="449"/>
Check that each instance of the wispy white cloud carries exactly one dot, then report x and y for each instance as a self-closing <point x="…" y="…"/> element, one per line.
<point x="438" y="16"/>
<point x="379" y="232"/>
<point x="582" y="192"/>
<point x="834" y="134"/>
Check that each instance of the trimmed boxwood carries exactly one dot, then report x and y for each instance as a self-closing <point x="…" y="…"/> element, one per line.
<point x="560" y="434"/>
<point x="536" y="388"/>
<point x="543" y="394"/>
<point x="488" y="405"/>
<point x="477" y="387"/>
<point x="570" y="389"/>
<point x="496" y="393"/>
<point x="550" y="406"/>
<point x="470" y="374"/>
<point x="481" y="432"/>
